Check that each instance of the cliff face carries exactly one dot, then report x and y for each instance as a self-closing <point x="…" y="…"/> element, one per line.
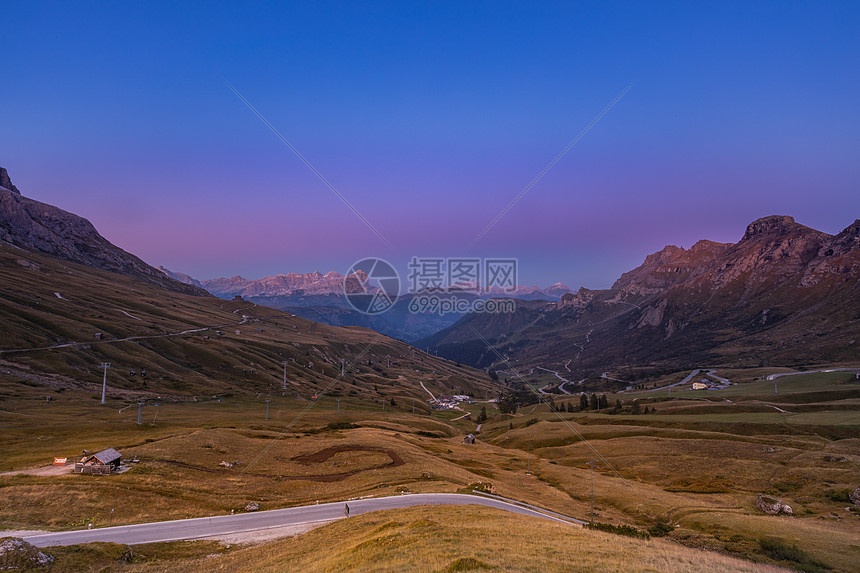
<point x="315" y="283"/>
<point x="670" y="266"/>
<point x="36" y="226"/>
<point x="6" y="183"/>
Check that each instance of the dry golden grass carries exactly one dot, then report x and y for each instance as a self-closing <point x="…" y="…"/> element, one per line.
<point x="702" y="480"/>
<point x="460" y="539"/>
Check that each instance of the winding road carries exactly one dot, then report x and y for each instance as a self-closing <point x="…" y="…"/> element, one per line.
<point x="773" y="377"/>
<point x="201" y="527"/>
<point x="128" y="338"/>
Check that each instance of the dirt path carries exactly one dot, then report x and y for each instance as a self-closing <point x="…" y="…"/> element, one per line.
<point x="51" y="470"/>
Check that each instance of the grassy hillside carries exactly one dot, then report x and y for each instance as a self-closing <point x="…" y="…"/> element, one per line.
<point x="51" y="311"/>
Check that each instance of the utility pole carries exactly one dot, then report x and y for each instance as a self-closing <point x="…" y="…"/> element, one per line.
<point x="267" y="409"/>
<point x="104" y="365"/>
<point x="529" y="458"/>
<point x="139" y="408"/>
<point x="775" y="390"/>
<point x="388" y="357"/>
<point x="413" y="406"/>
<point x="285" y="362"/>
<point x="338" y="405"/>
<point x="342" y="363"/>
<point x="591" y="465"/>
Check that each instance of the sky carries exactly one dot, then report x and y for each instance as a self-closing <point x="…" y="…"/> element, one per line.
<point x="430" y="118"/>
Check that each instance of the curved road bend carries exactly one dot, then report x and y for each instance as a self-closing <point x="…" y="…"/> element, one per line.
<point x="224" y="524"/>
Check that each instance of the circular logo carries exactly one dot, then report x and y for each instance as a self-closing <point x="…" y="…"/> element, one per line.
<point x="371" y="286"/>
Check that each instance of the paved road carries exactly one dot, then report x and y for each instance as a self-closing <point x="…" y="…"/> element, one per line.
<point x="557" y="375"/>
<point x="132" y="338"/>
<point x="225" y="524"/>
<point x="773" y="377"/>
<point x="684" y="381"/>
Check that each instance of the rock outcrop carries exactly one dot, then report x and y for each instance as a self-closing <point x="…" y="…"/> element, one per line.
<point x="6" y="183"/>
<point x="35" y="226"/>
<point x="17" y="554"/>
<point x="771" y="505"/>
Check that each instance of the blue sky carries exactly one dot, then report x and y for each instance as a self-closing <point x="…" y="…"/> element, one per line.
<point x="430" y="118"/>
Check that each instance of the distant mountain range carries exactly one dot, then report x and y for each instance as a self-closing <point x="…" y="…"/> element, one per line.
<point x="319" y="297"/>
<point x="317" y="283"/>
<point x="784" y="294"/>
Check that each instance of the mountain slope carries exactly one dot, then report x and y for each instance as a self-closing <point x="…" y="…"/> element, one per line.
<point x="784" y="294"/>
<point x="36" y="226"/>
<point x="70" y="300"/>
<point x="60" y="320"/>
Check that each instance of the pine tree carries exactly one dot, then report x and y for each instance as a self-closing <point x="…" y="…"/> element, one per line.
<point x="604" y="402"/>
<point x="583" y="402"/>
<point x="593" y="403"/>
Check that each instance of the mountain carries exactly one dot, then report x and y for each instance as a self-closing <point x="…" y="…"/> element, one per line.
<point x="319" y="297"/>
<point x="291" y="284"/>
<point x="784" y="294"/>
<point x="35" y="226"/>
<point x="552" y="292"/>
<point x="70" y="301"/>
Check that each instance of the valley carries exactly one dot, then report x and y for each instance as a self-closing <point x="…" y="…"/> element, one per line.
<point x="677" y="445"/>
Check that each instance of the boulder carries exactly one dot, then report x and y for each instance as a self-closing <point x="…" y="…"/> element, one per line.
<point x="15" y="553"/>
<point x="252" y="506"/>
<point x="854" y="496"/>
<point x="771" y="505"/>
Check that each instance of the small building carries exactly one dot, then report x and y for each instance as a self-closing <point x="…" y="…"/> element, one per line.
<point x="99" y="336"/>
<point x="470" y="439"/>
<point x="102" y="463"/>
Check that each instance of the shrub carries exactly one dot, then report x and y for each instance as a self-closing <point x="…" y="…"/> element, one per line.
<point x="660" y="529"/>
<point x="626" y="530"/>
<point x="840" y="495"/>
<point x="779" y="550"/>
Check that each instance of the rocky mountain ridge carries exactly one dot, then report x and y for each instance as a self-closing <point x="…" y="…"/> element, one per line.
<point x="315" y="283"/>
<point x="34" y="226"/>
<point x="783" y="292"/>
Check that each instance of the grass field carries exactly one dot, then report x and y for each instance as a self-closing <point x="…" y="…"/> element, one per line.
<point x="697" y="470"/>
